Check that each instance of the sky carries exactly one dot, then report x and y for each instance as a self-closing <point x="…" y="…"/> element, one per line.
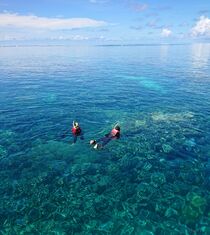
<point x="104" y="21"/>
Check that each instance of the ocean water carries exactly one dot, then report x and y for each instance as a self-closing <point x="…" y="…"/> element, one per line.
<point x="154" y="180"/>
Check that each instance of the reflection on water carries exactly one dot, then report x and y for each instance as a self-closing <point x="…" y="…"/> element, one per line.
<point x="200" y="55"/>
<point x="164" y="53"/>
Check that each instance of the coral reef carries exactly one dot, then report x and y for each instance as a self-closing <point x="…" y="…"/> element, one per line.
<point x="56" y="187"/>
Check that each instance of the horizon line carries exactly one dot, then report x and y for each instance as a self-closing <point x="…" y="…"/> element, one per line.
<point x="106" y="45"/>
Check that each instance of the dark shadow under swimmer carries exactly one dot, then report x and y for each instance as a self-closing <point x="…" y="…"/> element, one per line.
<point x="112" y="135"/>
<point x="76" y="131"/>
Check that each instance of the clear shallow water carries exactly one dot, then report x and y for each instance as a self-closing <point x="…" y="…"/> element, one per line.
<point x="154" y="180"/>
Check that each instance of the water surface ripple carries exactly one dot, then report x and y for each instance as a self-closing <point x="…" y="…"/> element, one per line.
<point x="154" y="180"/>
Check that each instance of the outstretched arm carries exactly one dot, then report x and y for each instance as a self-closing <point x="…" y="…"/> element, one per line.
<point x="117" y="124"/>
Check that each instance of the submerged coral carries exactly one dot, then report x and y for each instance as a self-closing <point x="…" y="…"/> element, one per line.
<point x="3" y="152"/>
<point x="194" y="207"/>
<point x="177" y="117"/>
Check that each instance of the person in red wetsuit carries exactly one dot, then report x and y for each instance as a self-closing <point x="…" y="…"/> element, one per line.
<point x="112" y="135"/>
<point x="76" y="131"/>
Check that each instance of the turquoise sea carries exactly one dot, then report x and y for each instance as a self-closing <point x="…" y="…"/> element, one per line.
<point x="154" y="180"/>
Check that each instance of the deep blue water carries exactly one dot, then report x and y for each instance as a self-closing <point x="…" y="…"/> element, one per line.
<point x="154" y="180"/>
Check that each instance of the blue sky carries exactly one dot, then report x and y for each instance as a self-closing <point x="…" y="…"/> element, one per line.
<point x="104" y="21"/>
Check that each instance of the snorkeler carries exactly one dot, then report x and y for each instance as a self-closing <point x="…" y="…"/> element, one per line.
<point x="76" y="131"/>
<point x="112" y="135"/>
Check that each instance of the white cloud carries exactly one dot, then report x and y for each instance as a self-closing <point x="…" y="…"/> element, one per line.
<point x="79" y="38"/>
<point x="140" y="7"/>
<point x="166" y="32"/>
<point x="35" y="22"/>
<point x="98" y="1"/>
<point x="72" y="38"/>
<point x="202" y="27"/>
